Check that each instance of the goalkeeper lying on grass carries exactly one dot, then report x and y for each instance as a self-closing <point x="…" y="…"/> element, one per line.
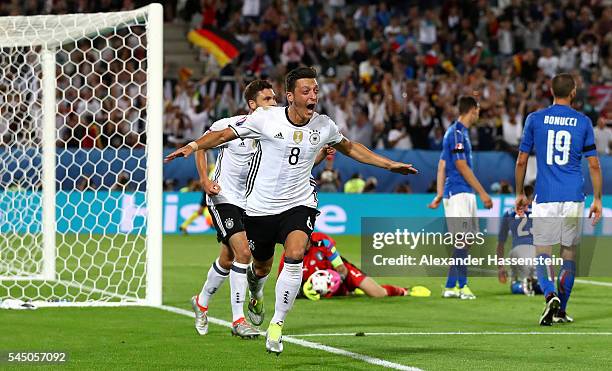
<point x="335" y="276"/>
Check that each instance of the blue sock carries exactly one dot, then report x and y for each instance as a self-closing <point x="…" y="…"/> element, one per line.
<point x="451" y="280"/>
<point x="461" y="268"/>
<point x="565" y="281"/>
<point x="546" y="282"/>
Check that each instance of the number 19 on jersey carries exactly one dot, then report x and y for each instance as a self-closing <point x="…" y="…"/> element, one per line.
<point x="559" y="141"/>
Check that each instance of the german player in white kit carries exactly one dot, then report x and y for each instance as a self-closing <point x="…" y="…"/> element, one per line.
<point x="281" y="198"/>
<point x="227" y="202"/>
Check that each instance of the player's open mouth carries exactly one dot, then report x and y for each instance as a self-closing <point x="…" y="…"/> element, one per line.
<point x="311" y="106"/>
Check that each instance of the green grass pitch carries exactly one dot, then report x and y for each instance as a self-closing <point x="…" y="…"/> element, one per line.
<point x="149" y="338"/>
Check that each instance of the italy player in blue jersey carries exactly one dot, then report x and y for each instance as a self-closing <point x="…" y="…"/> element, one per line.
<point x="456" y="184"/>
<point x="518" y="224"/>
<point x="560" y="137"/>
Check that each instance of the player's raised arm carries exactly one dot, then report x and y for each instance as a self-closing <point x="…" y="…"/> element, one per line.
<point x="359" y="152"/>
<point x="205" y="142"/>
<point x="440" y="179"/>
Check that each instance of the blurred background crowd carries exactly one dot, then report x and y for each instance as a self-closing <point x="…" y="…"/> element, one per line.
<point x="390" y="71"/>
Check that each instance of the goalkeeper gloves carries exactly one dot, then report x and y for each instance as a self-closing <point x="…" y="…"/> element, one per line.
<point x="309" y="292"/>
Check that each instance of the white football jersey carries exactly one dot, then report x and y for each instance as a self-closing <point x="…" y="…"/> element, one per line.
<point x="280" y="172"/>
<point x="232" y="166"/>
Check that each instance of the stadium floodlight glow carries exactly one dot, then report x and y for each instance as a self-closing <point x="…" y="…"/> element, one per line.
<point x="70" y="84"/>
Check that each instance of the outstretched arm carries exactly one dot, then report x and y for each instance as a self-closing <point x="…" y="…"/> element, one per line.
<point x="359" y="152"/>
<point x="205" y="142"/>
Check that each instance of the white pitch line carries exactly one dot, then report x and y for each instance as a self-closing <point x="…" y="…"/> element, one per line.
<point x="596" y="283"/>
<point x="305" y="343"/>
<point x="451" y="333"/>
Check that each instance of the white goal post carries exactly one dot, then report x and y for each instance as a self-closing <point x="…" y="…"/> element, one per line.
<point x="81" y="150"/>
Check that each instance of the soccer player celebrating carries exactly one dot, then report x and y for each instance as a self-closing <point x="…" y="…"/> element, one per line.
<point x="518" y="223"/>
<point x="281" y="199"/>
<point x="456" y="186"/>
<point x="561" y="136"/>
<point x="322" y="255"/>
<point x="227" y="202"/>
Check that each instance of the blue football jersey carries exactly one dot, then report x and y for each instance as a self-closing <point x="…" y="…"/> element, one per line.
<point x="519" y="227"/>
<point x="561" y="136"/>
<point x="456" y="145"/>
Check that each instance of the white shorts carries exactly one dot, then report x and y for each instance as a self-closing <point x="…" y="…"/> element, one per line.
<point x="520" y="272"/>
<point x="461" y="213"/>
<point x="557" y="222"/>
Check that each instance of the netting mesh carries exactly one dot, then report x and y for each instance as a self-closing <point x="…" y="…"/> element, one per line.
<point x="100" y="127"/>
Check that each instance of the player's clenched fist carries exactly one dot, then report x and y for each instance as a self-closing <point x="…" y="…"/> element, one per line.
<point x="486" y="200"/>
<point x="211" y="188"/>
<point x="401" y="168"/>
<point x="520" y="203"/>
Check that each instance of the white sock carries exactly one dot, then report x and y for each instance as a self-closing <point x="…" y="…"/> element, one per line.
<point x="287" y="288"/>
<point x="238" y="284"/>
<point x="256" y="284"/>
<point x="214" y="280"/>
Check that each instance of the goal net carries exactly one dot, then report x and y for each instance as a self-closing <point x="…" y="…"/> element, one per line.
<point x="81" y="158"/>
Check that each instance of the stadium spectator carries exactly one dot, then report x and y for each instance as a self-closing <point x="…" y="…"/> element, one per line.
<point x="569" y="56"/>
<point x="603" y="137"/>
<point x="293" y="51"/>
<point x="398" y="137"/>
<point x="169" y="185"/>
<point x="548" y="63"/>
<point x="123" y="183"/>
<point x="435" y="138"/>
<point x="403" y="188"/>
<point x="329" y="179"/>
<point x="261" y="64"/>
<point x="512" y="125"/>
<point x="354" y="185"/>
<point x="193" y="185"/>
<point x="86" y="183"/>
<point x="361" y="131"/>
<point x="370" y="185"/>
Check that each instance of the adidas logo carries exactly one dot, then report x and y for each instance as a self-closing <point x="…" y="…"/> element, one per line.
<point x="286" y="297"/>
<point x="279" y="136"/>
<point x="241" y="144"/>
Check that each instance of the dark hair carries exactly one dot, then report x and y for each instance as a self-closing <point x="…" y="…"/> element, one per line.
<point x="466" y="103"/>
<point x="528" y="190"/>
<point x="562" y="85"/>
<point x="254" y="87"/>
<point x="296" y="74"/>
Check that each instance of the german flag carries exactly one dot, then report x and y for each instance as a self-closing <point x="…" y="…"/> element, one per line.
<point x="223" y="46"/>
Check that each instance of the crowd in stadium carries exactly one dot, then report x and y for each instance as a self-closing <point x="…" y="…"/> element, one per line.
<point x="390" y="72"/>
